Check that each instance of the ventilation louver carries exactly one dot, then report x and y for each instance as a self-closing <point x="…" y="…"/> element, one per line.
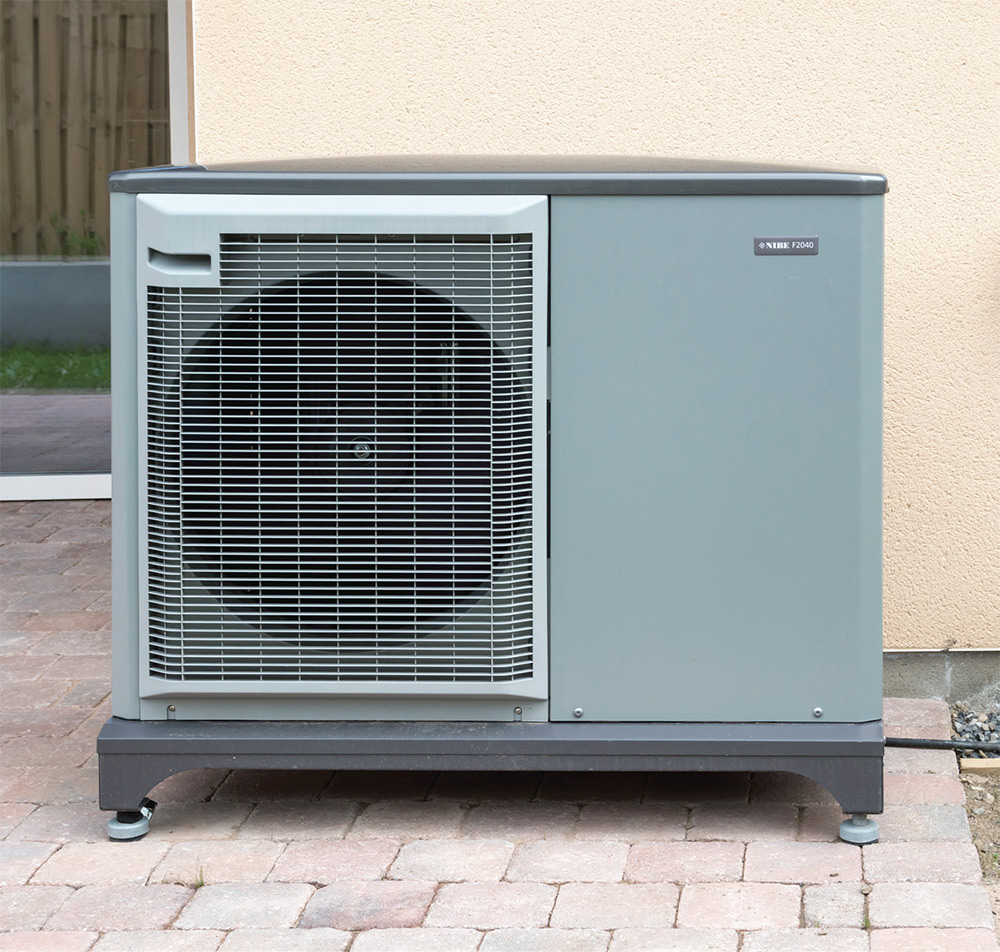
<point x="339" y="476"/>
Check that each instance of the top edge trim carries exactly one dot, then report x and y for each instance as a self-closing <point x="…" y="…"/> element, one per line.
<point x="573" y="175"/>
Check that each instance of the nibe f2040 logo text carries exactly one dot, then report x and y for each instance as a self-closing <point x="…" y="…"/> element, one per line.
<point x="786" y="246"/>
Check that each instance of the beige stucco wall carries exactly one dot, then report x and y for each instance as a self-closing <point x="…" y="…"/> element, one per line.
<point x="910" y="87"/>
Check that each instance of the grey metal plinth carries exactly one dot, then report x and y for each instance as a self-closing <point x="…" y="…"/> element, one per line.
<point x="134" y="756"/>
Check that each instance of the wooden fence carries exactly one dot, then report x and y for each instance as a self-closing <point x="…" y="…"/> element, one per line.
<point x="84" y="93"/>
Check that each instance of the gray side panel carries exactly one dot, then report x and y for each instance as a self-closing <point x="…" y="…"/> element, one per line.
<point x="124" y="462"/>
<point x="715" y="460"/>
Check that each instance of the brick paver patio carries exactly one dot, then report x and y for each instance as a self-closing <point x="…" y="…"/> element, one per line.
<point x="258" y="862"/>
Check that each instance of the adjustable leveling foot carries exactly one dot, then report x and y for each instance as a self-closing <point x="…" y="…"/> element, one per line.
<point x="132" y="824"/>
<point x="860" y="829"/>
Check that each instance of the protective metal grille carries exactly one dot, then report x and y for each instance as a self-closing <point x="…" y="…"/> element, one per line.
<point x="339" y="462"/>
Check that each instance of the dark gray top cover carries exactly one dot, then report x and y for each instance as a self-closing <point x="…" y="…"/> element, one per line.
<point x="500" y="175"/>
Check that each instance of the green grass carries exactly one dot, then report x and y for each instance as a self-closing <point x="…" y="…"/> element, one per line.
<point x="39" y="367"/>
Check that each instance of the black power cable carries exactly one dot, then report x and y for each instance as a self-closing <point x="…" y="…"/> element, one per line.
<point x="942" y="744"/>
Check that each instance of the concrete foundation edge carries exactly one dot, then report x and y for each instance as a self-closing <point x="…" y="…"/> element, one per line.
<point x="969" y="677"/>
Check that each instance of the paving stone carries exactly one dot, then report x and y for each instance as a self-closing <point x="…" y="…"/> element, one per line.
<point x="212" y="861"/>
<point x="417" y="940"/>
<point x="88" y="864"/>
<point x="23" y="567"/>
<point x="802" y="791"/>
<point x="933" y="940"/>
<point x="675" y="940"/>
<point x="521" y="821"/>
<point x="685" y="862"/>
<point x="31" y="551"/>
<point x="409" y="820"/>
<point x="916" y="717"/>
<point x="899" y="760"/>
<point x="31" y="695"/>
<point x="12" y="815"/>
<point x="25" y="668"/>
<point x="174" y="822"/>
<point x="46" y="507"/>
<point x="806" y="940"/>
<point x="285" y="940"/>
<point x="62" y="752"/>
<point x="743" y="821"/>
<point x="86" y="694"/>
<point x="476" y="786"/>
<point x="453" y="861"/>
<point x="68" y="621"/>
<point x="47" y="941"/>
<point x="80" y="668"/>
<point x="632" y="822"/>
<point x="90" y="567"/>
<point x="322" y="819"/>
<point x="929" y="905"/>
<point x="81" y="533"/>
<point x="119" y="908"/>
<point x="41" y="582"/>
<point x="821" y="824"/>
<point x="492" y="905"/>
<point x="923" y="824"/>
<point x="29" y="907"/>
<point x="558" y="861"/>
<point x="69" y="823"/>
<point x="615" y="905"/>
<point x="245" y="906"/>
<point x="697" y="787"/>
<point x="591" y="786"/>
<point x="189" y="785"/>
<point x="739" y="906"/>
<point x="52" y="785"/>
<point x="103" y="603"/>
<point x="93" y="720"/>
<point x="150" y="940"/>
<point x="74" y="643"/>
<point x="834" y="906"/>
<point x="328" y="861"/>
<point x="274" y="785"/>
<point x="922" y="863"/>
<point x="18" y="861"/>
<point x="549" y="940"/>
<point x="67" y="601"/>
<point x="53" y="722"/>
<point x="14" y="644"/>
<point x="380" y="905"/>
<point x="371" y="785"/>
<point x="12" y="622"/>
<point x="802" y="862"/>
<point x="923" y="790"/>
<point x="31" y="532"/>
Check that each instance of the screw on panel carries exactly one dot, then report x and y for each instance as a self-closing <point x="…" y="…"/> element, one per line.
<point x="517" y="713"/>
<point x="817" y="712"/>
<point x="171" y="711"/>
<point x="578" y="712"/>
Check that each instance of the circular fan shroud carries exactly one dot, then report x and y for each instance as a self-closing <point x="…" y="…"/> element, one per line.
<point x="295" y="528"/>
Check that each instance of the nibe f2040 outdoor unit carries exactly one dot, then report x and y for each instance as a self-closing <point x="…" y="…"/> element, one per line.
<point x="496" y="464"/>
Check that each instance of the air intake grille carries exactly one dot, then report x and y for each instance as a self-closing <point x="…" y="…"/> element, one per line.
<point x="339" y="465"/>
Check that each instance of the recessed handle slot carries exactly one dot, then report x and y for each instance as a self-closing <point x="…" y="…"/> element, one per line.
<point x="180" y="264"/>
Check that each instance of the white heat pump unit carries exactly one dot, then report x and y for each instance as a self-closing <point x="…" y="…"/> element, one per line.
<point x="562" y="464"/>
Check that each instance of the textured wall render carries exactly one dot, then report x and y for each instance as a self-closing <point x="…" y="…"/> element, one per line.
<point x="910" y="87"/>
